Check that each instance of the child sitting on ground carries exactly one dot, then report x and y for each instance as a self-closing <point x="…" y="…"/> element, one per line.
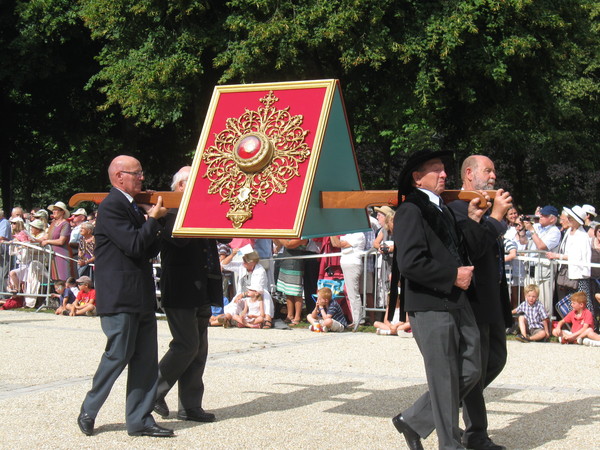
<point x="582" y="324"/>
<point x="392" y="328"/>
<point x="253" y="313"/>
<point x="63" y="294"/>
<point x="85" y="303"/>
<point x="327" y="315"/>
<point x="533" y="321"/>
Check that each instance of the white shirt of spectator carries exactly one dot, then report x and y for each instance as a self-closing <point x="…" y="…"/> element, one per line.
<point x="352" y="255"/>
<point x="549" y="235"/>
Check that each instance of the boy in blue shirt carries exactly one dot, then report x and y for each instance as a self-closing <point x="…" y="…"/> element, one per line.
<point x="328" y="314"/>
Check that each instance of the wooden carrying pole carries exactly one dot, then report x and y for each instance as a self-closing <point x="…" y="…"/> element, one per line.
<point x="362" y="199"/>
<point x="329" y="199"/>
<point x="170" y="199"/>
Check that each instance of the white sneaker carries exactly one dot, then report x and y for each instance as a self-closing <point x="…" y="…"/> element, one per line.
<point x="591" y="343"/>
<point x="580" y="341"/>
<point x="383" y="332"/>
<point x="560" y="339"/>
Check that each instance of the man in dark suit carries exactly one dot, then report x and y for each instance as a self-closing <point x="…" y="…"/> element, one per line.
<point x="435" y="279"/>
<point x="125" y="301"/>
<point x="492" y="305"/>
<point x="190" y="282"/>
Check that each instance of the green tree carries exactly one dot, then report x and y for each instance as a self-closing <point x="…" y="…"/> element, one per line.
<point x="514" y="79"/>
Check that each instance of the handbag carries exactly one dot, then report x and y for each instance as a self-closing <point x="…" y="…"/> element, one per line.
<point x="562" y="278"/>
<point x="563" y="306"/>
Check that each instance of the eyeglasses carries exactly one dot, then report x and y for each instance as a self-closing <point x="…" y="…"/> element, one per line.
<point x="139" y="173"/>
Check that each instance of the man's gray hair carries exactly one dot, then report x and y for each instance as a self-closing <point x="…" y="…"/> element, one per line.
<point x="181" y="175"/>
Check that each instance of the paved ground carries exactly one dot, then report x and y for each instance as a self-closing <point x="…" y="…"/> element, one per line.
<point x="285" y="389"/>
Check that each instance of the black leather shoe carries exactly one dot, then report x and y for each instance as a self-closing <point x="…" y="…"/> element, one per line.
<point x="413" y="440"/>
<point x="161" y="408"/>
<point x="154" y="431"/>
<point x="483" y="444"/>
<point x="196" y="415"/>
<point x="86" y="423"/>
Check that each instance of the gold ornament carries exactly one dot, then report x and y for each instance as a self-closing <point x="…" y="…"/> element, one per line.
<point x="254" y="157"/>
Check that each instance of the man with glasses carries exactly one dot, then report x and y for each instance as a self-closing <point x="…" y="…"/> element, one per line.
<point x="544" y="236"/>
<point x="125" y="301"/>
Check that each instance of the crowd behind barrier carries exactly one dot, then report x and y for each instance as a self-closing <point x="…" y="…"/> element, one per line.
<point x="30" y="262"/>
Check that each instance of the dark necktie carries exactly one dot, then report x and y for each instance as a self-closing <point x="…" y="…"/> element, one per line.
<point x="137" y="209"/>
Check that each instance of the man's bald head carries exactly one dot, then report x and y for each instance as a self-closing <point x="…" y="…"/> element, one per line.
<point x="478" y="173"/>
<point x="125" y="173"/>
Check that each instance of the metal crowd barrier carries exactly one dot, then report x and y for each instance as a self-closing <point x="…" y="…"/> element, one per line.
<point x="28" y="266"/>
<point x="536" y="259"/>
<point x="364" y="255"/>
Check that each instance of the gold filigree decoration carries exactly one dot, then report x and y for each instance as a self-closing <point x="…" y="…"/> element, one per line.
<point x="268" y="172"/>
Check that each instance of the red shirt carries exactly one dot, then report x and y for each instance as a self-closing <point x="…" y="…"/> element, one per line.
<point x="577" y="322"/>
<point x="84" y="298"/>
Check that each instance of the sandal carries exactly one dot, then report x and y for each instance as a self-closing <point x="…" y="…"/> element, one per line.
<point x="288" y="320"/>
<point x="267" y="324"/>
<point x="294" y="323"/>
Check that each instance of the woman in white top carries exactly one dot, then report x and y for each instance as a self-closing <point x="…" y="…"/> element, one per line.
<point x="576" y="247"/>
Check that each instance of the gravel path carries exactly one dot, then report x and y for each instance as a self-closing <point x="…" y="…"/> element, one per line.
<point x="285" y="389"/>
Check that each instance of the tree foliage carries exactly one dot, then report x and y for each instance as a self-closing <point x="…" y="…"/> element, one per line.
<point x="514" y="79"/>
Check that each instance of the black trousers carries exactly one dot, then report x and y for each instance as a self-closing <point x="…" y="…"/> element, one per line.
<point x="493" y="360"/>
<point x="185" y="360"/>
<point x="131" y="341"/>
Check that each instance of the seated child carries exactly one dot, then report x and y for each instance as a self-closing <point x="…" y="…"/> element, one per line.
<point x="581" y="320"/>
<point x="232" y="309"/>
<point x="327" y="315"/>
<point x="253" y="313"/>
<point x="533" y="321"/>
<point x="64" y="295"/>
<point x="85" y="303"/>
<point x="391" y="328"/>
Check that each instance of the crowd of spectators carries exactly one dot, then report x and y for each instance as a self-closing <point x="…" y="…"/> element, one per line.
<point x="42" y="245"/>
<point x="266" y="279"/>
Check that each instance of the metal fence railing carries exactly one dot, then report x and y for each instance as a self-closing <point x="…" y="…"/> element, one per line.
<point x="25" y="270"/>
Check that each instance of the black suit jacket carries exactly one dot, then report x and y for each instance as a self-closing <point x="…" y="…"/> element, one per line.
<point x="191" y="272"/>
<point x="125" y="244"/>
<point x="493" y="303"/>
<point x="424" y="258"/>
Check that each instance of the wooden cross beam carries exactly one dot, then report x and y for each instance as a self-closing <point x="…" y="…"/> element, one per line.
<point x="329" y="199"/>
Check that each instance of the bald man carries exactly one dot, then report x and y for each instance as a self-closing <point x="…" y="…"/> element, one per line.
<point x="492" y="305"/>
<point x="125" y="301"/>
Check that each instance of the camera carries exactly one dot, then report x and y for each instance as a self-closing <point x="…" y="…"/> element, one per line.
<point x="385" y="249"/>
<point x="525" y="218"/>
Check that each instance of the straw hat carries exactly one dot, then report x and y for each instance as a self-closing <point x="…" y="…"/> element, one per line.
<point x="60" y="205"/>
<point x="385" y="210"/>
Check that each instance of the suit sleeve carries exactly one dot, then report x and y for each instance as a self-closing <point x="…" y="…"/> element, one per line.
<point x="416" y="258"/>
<point x="138" y="243"/>
<point x="479" y="237"/>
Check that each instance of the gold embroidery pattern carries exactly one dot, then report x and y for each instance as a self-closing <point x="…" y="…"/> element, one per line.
<point x="268" y="171"/>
